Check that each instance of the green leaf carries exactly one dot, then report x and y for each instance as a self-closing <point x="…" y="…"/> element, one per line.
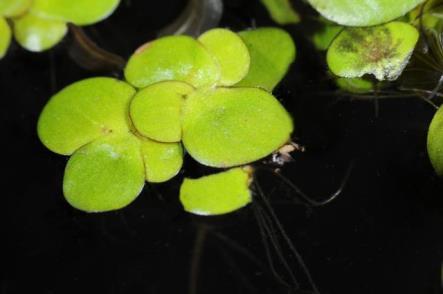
<point x="156" y="110"/>
<point x="435" y="142"/>
<point x="162" y="160"/>
<point x="230" y="52"/>
<point x="355" y="85"/>
<point x="13" y="8"/>
<point x="428" y="16"/>
<point x="272" y="51"/>
<point x="84" y="111"/>
<point x="217" y="194"/>
<point x="5" y="37"/>
<point x="105" y="175"/>
<point x="173" y="58"/>
<point x="323" y="38"/>
<point x="79" y="12"/>
<point x="383" y="51"/>
<point x="227" y="127"/>
<point x="281" y="11"/>
<point x="363" y="12"/>
<point x="38" y="34"/>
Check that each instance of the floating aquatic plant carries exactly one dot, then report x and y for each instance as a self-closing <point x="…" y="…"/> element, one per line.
<point x="281" y="11"/>
<point x="379" y="38"/>
<point x="177" y="58"/>
<point x="156" y="111"/>
<point x="217" y="194"/>
<point x="323" y="38"/>
<point x="89" y="120"/>
<point x="435" y="142"/>
<point x="229" y="127"/>
<point x="268" y="66"/>
<point x="366" y="38"/>
<point x="38" y="25"/>
<point x="355" y="85"/>
<point x="5" y="37"/>
<point x="363" y="12"/>
<point x="383" y="51"/>
<point x="179" y="89"/>
<point x="231" y="55"/>
<point x="428" y="16"/>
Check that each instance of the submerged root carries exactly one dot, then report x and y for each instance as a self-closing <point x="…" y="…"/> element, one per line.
<point x="272" y="231"/>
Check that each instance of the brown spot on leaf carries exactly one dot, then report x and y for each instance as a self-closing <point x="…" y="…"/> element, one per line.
<point x="105" y="130"/>
<point x="374" y="44"/>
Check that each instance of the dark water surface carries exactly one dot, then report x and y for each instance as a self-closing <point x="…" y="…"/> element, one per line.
<point x="384" y="234"/>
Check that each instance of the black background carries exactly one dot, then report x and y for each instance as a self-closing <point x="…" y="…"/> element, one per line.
<point x="384" y="234"/>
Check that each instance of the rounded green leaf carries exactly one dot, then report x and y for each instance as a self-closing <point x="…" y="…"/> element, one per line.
<point x="84" y="111"/>
<point x="227" y="127"/>
<point x="355" y="85"/>
<point x="435" y="141"/>
<point x="162" y="160"/>
<point x="281" y="11"/>
<point x="217" y="194"/>
<point x="363" y="12"/>
<point x="38" y="34"/>
<point x="105" y="175"/>
<point x="230" y="52"/>
<point x="383" y="51"/>
<point x="5" y="37"/>
<point x="156" y="110"/>
<point x="13" y="8"/>
<point x="173" y="58"/>
<point x="323" y="38"/>
<point x="272" y="51"/>
<point x="79" y="12"/>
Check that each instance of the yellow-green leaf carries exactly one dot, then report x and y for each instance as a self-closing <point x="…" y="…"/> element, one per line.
<point x="323" y="38"/>
<point x="435" y="142"/>
<point x="173" y="58"/>
<point x="5" y="37"/>
<point x="105" y="175"/>
<point x="230" y="52"/>
<point x="79" y="12"/>
<point x="226" y="127"/>
<point x="162" y="160"/>
<point x="217" y="194"/>
<point x="383" y="51"/>
<point x="84" y="111"/>
<point x="13" y="8"/>
<point x="355" y="85"/>
<point x="363" y="12"/>
<point x="38" y="34"/>
<point x="281" y="11"/>
<point x="272" y="51"/>
<point x="156" y="110"/>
